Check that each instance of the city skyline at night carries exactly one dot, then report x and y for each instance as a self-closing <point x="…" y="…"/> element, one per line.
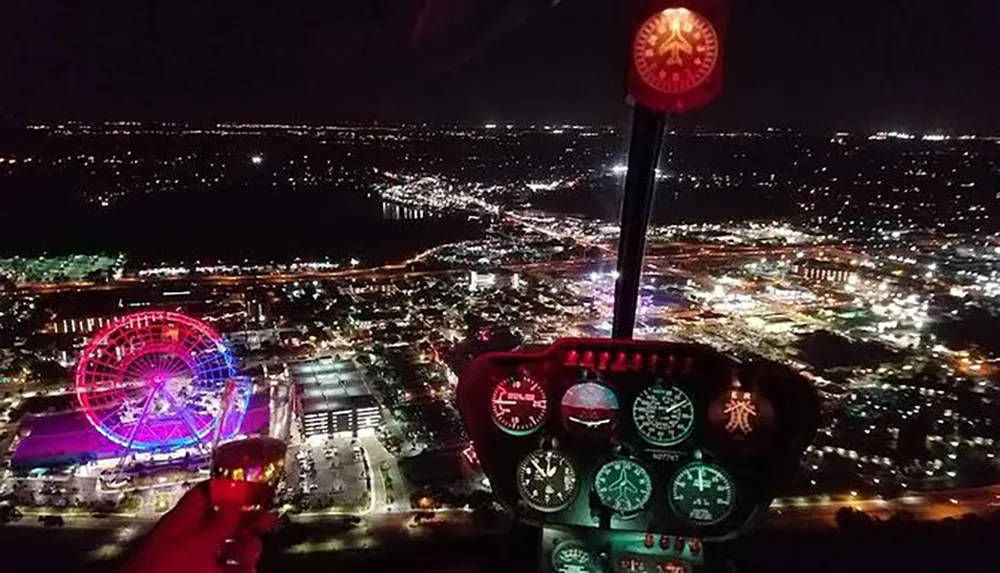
<point x="590" y="285"/>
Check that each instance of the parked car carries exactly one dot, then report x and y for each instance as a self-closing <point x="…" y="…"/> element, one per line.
<point x="10" y="514"/>
<point x="51" y="520"/>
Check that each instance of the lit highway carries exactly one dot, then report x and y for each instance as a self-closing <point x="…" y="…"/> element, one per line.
<point x="793" y="513"/>
<point x="384" y="529"/>
<point x="654" y="262"/>
<point x="226" y="279"/>
<point x="797" y="513"/>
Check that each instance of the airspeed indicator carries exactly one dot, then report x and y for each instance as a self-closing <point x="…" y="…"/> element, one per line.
<point x="663" y="415"/>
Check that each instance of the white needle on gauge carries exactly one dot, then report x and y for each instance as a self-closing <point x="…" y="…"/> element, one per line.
<point x="505" y="402"/>
<point x="591" y="423"/>
<point x="538" y="466"/>
<point x="674" y="407"/>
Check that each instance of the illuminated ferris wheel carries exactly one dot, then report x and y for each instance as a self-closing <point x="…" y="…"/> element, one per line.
<point x="160" y="381"/>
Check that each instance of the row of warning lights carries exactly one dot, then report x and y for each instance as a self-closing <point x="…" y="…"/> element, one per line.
<point x="622" y="362"/>
<point x="679" y="541"/>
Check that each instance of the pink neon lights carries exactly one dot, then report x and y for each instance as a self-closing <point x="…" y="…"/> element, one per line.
<point x="155" y="380"/>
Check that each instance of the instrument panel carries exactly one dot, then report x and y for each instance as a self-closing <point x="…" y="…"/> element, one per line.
<point x="636" y="435"/>
<point x="594" y="551"/>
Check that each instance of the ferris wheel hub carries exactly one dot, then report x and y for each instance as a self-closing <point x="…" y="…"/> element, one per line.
<point x="157" y="380"/>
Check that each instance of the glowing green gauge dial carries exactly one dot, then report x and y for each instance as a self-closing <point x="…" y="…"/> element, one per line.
<point x="623" y="486"/>
<point x="664" y="415"/>
<point x="572" y="557"/>
<point x="702" y="493"/>
<point x="546" y="480"/>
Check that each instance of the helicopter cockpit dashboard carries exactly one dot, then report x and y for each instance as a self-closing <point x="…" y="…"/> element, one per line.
<point x="633" y="454"/>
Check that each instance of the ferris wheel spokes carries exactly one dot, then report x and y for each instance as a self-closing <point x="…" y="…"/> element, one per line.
<point x="153" y="381"/>
<point x="135" y="430"/>
<point x="186" y="418"/>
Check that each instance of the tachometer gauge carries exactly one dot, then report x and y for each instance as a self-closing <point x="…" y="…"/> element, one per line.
<point x="702" y="494"/>
<point x="546" y="480"/>
<point x="573" y="557"/>
<point x="518" y="405"/>
<point x="590" y="407"/>
<point x="664" y="415"/>
<point x="624" y="486"/>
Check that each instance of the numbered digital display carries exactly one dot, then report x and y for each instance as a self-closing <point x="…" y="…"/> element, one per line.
<point x="664" y="415"/>
<point x="546" y="480"/>
<point x="630" y="563"/>
<point x="518" y="405"/>
<point x="702" y="494"/>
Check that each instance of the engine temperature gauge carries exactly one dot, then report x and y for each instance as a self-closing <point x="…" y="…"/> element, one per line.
<point x="518" y="405"/>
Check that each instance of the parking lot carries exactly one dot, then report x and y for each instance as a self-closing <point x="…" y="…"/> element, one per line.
<point x="330" y="473"/>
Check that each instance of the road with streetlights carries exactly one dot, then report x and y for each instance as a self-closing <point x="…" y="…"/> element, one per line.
<point x="792" y="513"/>
<point x="321" y="535"/>
<point x="798" y="513"/>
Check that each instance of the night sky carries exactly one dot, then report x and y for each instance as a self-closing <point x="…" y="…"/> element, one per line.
<point x="814" y="64"/>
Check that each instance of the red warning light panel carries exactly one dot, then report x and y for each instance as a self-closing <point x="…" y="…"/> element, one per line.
<point x="676" y="59"/>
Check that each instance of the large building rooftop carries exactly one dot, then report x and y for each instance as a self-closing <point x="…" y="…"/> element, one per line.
<point x="330" y="385"/>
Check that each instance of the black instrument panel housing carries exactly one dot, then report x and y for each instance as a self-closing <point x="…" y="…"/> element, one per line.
<point x="758" y="467"/>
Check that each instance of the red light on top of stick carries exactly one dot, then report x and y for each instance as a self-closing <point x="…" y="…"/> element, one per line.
<point x="675" y="50"/>
<point x="676" y="60"/>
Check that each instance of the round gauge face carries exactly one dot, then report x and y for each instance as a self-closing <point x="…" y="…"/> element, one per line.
<point x="702" y="493"/>
<point x="675" y="50"/>
<point x="664" y="415"/>
<point x="624" y="486"/>
<point x="546" y="480"/>
<point x="590" y="406"/>
<point x="518" y="405"/>
<point x="572" y="557"/>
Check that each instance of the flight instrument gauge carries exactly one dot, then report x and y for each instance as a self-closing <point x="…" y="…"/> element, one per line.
<point x="546" y="480"/>
<point x="589" y="407"/>
<point x="624" y="486"/>
<point x="664" y="415"/>
<point x="572" y="556"/>
<point x="702" y="493"/>
<point x="518" y="405"/>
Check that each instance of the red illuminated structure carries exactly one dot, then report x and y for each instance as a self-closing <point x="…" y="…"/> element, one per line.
<point x="155" y="381"/>
<point x="518" y="405"/>
<point x="676" y="54"/>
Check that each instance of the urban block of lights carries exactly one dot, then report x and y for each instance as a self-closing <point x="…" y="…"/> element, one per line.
<point x="160" y="381"/>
